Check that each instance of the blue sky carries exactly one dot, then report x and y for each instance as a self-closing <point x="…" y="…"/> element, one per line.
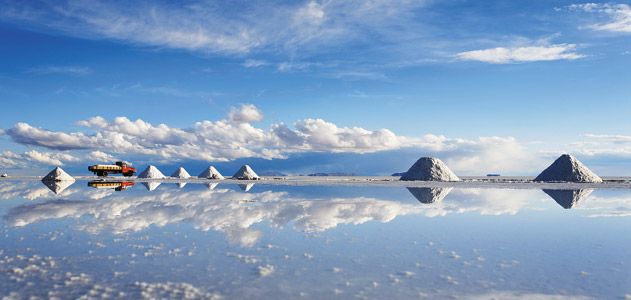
<point x="300" y="86"/>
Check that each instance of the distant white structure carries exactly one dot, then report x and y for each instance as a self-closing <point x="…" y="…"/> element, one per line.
<point x="180" y="173"/>
<point x="151" y="172"/>
<point x="430" y="169"/>
<point x="246" y="173"/>
<point x="211" y="173"/>
<point x="4" y="175"/>
<point x="567" y="168"/>
<point x="58" y="174"/>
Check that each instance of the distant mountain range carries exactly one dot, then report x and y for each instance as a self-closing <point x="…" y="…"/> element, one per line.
<point x="272" y="173"/>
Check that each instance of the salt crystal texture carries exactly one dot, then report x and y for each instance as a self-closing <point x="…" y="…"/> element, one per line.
<point x="429" y="169"/>
<point x="567" y="168"/>
<point x="151" y="172"/>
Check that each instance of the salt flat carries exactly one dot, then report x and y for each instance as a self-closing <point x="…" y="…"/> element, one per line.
<point x="509" y="182"/>
<point x="322" y="239"/>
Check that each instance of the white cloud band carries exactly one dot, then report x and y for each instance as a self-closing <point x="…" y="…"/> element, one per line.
<point x="502" y="55"/>
<point x="236" y="137"/>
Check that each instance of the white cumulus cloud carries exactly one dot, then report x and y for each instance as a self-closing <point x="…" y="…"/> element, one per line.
<point x="604" y="145"/>
<point x="491" y="155"/>
<point x="236" y="137"/>
<point x="53" y="159"/>
<point x="101" y="156"/>
<point x="247" y="113"/>
<point x="26" y="134"/>
<point x="320" y="135"/>
<point x="10" y="159"/>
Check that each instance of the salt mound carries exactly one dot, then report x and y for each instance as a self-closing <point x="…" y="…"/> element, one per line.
<point x="246" y="173"/>
<point x="58" y="174"/>
<point x="151" y="172"/>
<point x="429" y="195"/>
<point x="151" y="185"/>
<point x="181" y="184"/>
<point x="180" y="173"/>
<point x="211" y="173"/>
<point x="212" y="186"/>
<point x="568" y="198"/>
<point x="429" y="169"/>
<point x="567" y="168"/>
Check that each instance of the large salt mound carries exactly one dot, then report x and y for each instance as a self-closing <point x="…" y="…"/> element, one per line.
<point x="151" y="172"/>
<point x="429" y="195"/>
<point x="58" y="174"/>
<point x="568" y="198"/>
<point x="211" y="173"/>
<point x="429" y="169"/>
<point x="246" y="173"/>
<point x="180" y="173"/>
<point x="567" y="168"/>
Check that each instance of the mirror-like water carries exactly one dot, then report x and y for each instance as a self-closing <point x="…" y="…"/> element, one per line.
<point x="262" y="241"/>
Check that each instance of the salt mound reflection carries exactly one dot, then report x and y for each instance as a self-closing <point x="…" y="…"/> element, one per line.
<point x="429" y="195"/>
<point x="568" y="198"/>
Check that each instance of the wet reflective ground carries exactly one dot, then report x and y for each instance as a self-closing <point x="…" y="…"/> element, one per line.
<point x="262" y="241"/>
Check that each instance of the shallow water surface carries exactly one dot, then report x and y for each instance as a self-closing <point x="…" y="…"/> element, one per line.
<point x="272" y="241"/>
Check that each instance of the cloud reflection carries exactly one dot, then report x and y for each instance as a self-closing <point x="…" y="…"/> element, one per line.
<point x="231" y="212"/>
<point x="235" y="213"/>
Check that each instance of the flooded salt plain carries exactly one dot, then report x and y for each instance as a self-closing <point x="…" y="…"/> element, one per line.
<point x="272" y="241"/>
